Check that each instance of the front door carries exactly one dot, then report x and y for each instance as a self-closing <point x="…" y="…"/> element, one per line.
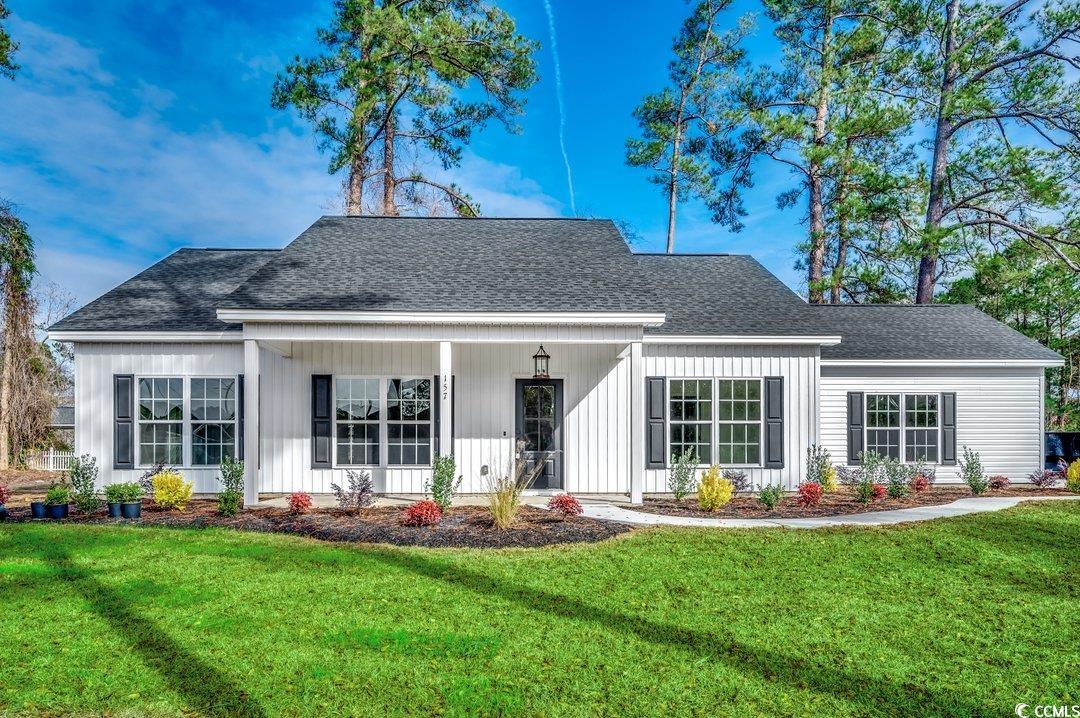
<point x="539" y="425"/>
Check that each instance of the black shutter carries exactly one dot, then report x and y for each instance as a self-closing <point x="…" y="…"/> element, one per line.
<point x="854" y="426"/>
<point x="438" y="413"/>
<point x="322" y="423"/>
<point x="948" y="429"/>
<point x="655" y="430"/>
<point x="123" y="421"/>
<point x="240" y="417"/>
<point x="774" y="422"/>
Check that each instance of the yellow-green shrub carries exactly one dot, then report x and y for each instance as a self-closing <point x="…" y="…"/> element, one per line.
<point x="1072" y="476"/>
<point x="714" y="492"/>
<point x="829" y="481"/>
<point x="171" y="491"/>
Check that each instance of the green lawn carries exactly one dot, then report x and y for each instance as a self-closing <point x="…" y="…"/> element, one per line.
<point x="961" y="617"/>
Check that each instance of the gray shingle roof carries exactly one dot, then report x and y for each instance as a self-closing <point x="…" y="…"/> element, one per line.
<point x="723" y="294"/>
<point x="179" y="293"/>
<point x="933" y="331"/>
<point x="447" y="264"/>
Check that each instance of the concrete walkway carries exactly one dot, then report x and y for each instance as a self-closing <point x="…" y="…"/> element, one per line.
<point x="960" y="507"/>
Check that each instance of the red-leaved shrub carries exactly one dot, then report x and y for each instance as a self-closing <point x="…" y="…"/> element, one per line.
<point x="880" y="491"/>
<point x="299" y="502"/>
<point x="810" y="493"/>
<point x="5" y="494"/>
<point x="422" y="513"/>
<point x="999" y="482"/>
<point x="920" y="483"/>
<point x="565" y="504"/>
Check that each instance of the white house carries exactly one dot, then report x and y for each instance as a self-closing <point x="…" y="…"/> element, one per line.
<point x="378" y="343"/>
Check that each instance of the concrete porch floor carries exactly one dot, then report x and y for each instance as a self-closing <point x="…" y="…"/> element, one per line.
<point x="529" y="499"/>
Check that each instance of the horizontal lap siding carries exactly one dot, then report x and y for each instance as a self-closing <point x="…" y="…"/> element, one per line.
<point x="797" y="364"/>
<point x="998" y="411"/>
<point x="95" y="365"/>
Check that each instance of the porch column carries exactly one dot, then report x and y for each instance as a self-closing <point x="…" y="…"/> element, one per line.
<point x="637" y="423"/>
<point x="251" y="422"/>
<point x="446" y="406"/>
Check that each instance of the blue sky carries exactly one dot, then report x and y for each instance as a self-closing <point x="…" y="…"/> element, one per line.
<point x="140" y="127"/>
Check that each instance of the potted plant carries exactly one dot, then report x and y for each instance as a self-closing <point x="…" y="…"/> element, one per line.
<point x="131" y="501"/>
<point x="37" y="509"/>
<point x="56" y="501"/>
<point x="5" y="494"/>
<point x="114" y="496"/>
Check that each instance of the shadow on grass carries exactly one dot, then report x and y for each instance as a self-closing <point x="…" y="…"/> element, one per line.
<point x="879" y="694"/>
<point x="205" y="689"/>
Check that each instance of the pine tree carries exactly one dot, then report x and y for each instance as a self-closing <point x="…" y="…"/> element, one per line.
<point x="7" y="45"/>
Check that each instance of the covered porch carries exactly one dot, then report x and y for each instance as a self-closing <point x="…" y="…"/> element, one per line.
<point x="386" y="398"/>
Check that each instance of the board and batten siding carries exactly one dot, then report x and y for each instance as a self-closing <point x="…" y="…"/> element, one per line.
<point x="797" y="364"/>
<point x="95" y="365"/>
<point x="998" y="411"/>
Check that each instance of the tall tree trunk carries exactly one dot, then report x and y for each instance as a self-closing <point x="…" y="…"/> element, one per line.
<point x="389" y="203"/>
<point x="935" y="205"/>
<point x="816" y="180"/>
<point x="8" y="376"/>
<point x="673" y="184"/>
<point x="354" y="192"/>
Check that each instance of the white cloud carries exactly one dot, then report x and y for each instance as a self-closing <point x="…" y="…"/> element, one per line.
<point x="108" y="186"/>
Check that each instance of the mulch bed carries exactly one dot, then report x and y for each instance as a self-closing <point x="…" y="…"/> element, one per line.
<point x="461" y="527"/>
<point x="840" y="503"/>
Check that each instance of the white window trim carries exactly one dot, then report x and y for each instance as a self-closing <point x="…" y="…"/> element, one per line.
<point x="186" y="433"/>
<point x="714" y="446"/>
<point x="384" y="422"/>
<point x="903" y="428"/>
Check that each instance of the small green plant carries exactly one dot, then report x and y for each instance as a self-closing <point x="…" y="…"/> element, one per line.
<point x="443" y="484"/>
<point x="82" y="476"/>
<point x="897" y="478"/>
<point x="129" y="493"/>
<point x="681" y="476"/>
<point x="714" y="492"/>
<point x="1072" y="477"/>
<point x="114" y="493"/>
<point x="770" y="496"/>
<point x="504" y="491"/>
<point x="971" y="469"/>
<point x="171" y="491"/>
<point x="57" y="495"/>
<point x="818" y="464"/>
<point x="231" y="497"/>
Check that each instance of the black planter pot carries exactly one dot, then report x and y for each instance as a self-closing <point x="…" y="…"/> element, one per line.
<point x="57" y="511"/>
<point x="131" y="511"/>
<point x="3" y="513"/>
<point x="37" y="509"/>
<point x="114" y="510"/>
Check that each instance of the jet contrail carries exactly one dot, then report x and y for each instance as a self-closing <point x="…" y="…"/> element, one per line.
<point x="562" y="107"/>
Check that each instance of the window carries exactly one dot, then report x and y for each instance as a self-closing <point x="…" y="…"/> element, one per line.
<point x="213" y="420"/>
<point x="408" y="416"/>
<point x="161" y="421"/>
<point x="739" y="404"/>
<point x="883" y="424"/>
<point x="357" y="412"/>
<point x="690" y="409"/>
<point x="921" y="427"/>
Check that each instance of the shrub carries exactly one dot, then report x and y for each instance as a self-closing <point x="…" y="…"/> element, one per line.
<point x="770" y="496"/>
<point x="1044" y="478"/>
<point x="999" y="482"/>
<point x="920" y="468"/>
<point x="681" y="477"/>
<point x="829" y="480"/>
<point x="920" y="483"/>
<point x="128" y="493"/>
<point x="897" y="478"/>
<point x="848" y="475"/>
<point x="114" y="493"/>
<point x="818" y="463"/>
<point x="360" y="492"/>
<point x="879" y="491"/>
<point x="971" y="470"/>
<point x="810" y="493"/>
<point x="171" y="491"/>
<point x="422" y="513"/>
<point x="299" y="502"/>
<point x="443" y="485"/>
<point x="864" y="491"/>
<point x="146" y="481"/>
<point x="714" y="492"/>
<point x="57" y="494"/>
<point x="1072" y="477"/>
<point x="504" y="491"/>
<point x="231" y="497"/>
<point x="565" y="504"/>
<point x="5" y="494"/>
<point x="83" y="476"/>
<point x="739" y="480"/>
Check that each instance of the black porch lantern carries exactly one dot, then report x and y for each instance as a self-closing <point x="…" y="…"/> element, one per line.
<point x="540" y="364"/>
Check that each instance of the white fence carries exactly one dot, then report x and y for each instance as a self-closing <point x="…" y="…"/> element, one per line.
<point x="51" y="460"/>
